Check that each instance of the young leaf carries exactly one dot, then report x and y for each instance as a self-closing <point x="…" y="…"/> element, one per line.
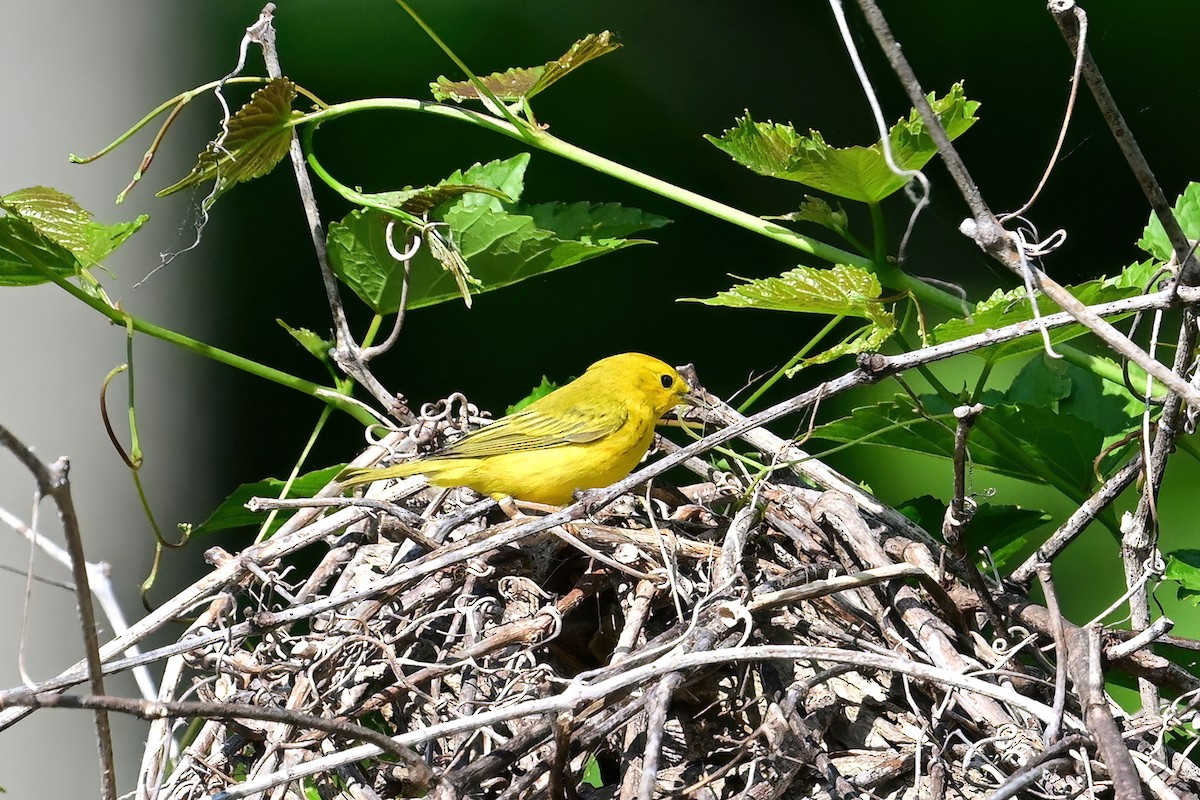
<point x="1183" y="567"/>
<point x="57" y="217"/>
<point x="310" y="341"/>
<point x="541" y="390"/>
<point x="840" y="291"/>
<point x="845" y="290"/>
<point x="867" y="339"/>
<point x="257" y="139"/>
<point x="422" y="201"/>
<point x="856" y="173"/>
<point x="232" y="512"/>
<point x="1187" y="210"/>
<point x="525" y="82"/>
<point x="816" y="210"/>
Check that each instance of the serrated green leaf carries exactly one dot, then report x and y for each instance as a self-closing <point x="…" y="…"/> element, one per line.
<point x="867" y="339"/>
<point x="258" y="138"/>
<point x="1187" y="210"/>
<point x="856" y="173"/>
<point x="23" y="250"/>
<point x="1008" y="308"/>
<point x="525" y="82"/>
<point x="537" y="393"/>
<point x="232" y="512"/>
<point x="844" y="290"/>
<point x="310" y="341"/>
<point x="839" y="291"/>
<point x="500" y="243"/>
<point x="62" y="220"/>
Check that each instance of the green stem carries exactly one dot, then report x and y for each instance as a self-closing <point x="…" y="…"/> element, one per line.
<point x="891" y="276"/>
<point x="323" y="393"/>
<point x="813" y="342"/>
<point x="184" y="97"/>
<point x="1108" y="370"/>
<point x="981" y="381"/>
<point x="878" y="232"/>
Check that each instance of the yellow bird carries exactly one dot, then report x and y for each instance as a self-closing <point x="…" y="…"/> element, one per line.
<point x="585" y="435"/>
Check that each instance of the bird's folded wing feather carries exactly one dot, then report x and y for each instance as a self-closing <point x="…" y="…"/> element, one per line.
<point x="532" y="429"/>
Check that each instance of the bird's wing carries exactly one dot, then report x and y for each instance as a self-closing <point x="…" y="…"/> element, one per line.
<point x="532" y="429"/>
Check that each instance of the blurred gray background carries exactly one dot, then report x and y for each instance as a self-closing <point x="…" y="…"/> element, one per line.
<point x="75" y="75"/>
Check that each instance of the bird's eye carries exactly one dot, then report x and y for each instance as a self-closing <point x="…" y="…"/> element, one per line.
<point x="667" y="381"/>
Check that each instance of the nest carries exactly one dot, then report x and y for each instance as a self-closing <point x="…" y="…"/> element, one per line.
<point x="732" y="637"/>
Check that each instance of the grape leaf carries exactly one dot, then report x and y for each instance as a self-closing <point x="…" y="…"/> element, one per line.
<point x="1063" y="443"/>
<point x="856" y="173"/>
<point x="232" y="512"/>
<point x="525" y="82"/>
<point x="1187" y="210"/>
<point x="1009" y="308"/>
<point x="842" y="290"/>
<point x="500" y="243"/>
<point x="23" y="250"/>
<point x="257" y="139"/>
<point x="60" y="219"/>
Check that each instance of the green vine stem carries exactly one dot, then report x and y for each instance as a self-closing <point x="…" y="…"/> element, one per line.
<point x="801" y="353"/>
<point x="325" y="394"/>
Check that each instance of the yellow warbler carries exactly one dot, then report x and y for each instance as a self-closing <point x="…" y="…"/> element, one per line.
<point x="587" y="434"/>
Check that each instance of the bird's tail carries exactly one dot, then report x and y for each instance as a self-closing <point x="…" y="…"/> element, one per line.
<point x="355" y="476"/>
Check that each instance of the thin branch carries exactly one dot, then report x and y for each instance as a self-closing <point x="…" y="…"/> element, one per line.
<point x="1083" y="516"/>
<point x="157" y="709"/>
<point x="576" y="695"/>
<point x="53" y="482"/>
<point x="345" y="352"/>
<point x="990" y="235"/>
<point x="1070" y="19"/>
<point x="1140" y="535"/>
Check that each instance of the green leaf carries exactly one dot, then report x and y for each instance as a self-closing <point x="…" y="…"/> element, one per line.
<point x="856" y="173"/>
<point x="818" y="211"/>
<point x="839" y="291"/>
<point x="26" y="256"/>
<point x="500" y="243"/>
<point x="59" y="218"/>
<point x="310" y="341"/>
<point x="525" y="82"/>
<point x="1009" y="308"/>
<point x="537" y="393"/>
<point x="232" y="512"/>
<point x="1004" y="529"/>
<point x="1063" y="444"/>
<point x="1183" y="567"/>
<point x="591" y="773"/>
<point x="1187" y="210"/>
<point x="258" y="138"/>
<point x="845" y="290"/>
